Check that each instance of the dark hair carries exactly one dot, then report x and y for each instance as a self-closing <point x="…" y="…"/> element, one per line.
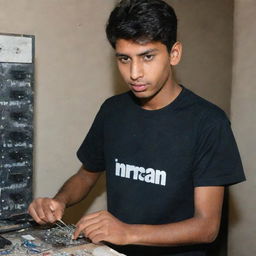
<point x="142" y="21"/>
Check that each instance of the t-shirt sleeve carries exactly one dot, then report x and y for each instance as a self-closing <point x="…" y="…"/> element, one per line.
<point x="217" y="159"/>
<point x="91" y="151"/>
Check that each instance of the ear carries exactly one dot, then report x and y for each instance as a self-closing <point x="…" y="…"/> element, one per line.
<point x="175" y="54"/>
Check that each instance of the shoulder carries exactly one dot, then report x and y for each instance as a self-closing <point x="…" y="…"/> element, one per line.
<point x="205" y="111"/>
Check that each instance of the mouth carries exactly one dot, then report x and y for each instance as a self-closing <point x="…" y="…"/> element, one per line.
<point x="138" y="87"/>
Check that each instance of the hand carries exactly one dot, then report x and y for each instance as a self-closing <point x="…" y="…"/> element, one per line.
<point x="46" y="210"/>
<point x="103" y="226"/>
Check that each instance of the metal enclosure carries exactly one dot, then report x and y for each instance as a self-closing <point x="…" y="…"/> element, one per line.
<point x="16" y="124"/>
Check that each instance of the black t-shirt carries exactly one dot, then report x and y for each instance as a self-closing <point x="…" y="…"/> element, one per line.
<point x="154" y="159"/>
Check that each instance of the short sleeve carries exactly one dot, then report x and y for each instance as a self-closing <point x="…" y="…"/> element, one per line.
<point x="91" y="151"/>
<point x="217" y="159"/>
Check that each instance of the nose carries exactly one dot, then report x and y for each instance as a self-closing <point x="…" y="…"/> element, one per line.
<point x="136" y="70"/>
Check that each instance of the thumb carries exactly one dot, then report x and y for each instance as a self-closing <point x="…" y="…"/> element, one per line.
<point x="76" y="233"/>
<point x="57" y="209"/>
<point x="52" y="207"/>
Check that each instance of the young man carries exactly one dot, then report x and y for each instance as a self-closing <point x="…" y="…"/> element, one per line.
<point x="167" y="153"/>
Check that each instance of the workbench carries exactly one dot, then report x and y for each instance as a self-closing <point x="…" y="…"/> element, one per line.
<point x="84" y="248"/>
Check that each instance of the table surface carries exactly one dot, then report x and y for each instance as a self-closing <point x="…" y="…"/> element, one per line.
<point x="71" y="250"/>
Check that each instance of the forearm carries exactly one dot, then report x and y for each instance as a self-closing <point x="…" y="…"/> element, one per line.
<point x="203" y="227"/>
<point x="77" y="187"/>
<point x="191" y="231"/>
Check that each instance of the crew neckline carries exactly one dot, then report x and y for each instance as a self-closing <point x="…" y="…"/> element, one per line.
<point x="171" y="105"/>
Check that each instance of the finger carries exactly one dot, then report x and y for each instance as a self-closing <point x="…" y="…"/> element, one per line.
<point x="99" y="238"/>
<point x="83" y="224"/>
<point x="87" y="222"/>
<point x="52" y="207"/>
<point x="35" y="216"/>
<point x="81" y="227"/>
<point x="90" y="230"/>
<point x="57" y="208"/>
<point x="58" y="214"/>
<point x="49" y="214"/>
<point x="77" y="232"/>
<point x="40" y="213"/>
<point x="94" y="215"/>
<point x="55" y="205"/>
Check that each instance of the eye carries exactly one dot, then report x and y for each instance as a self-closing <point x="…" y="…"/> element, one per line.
<point x="148" y="57"/>
<point x="124" y="59"/>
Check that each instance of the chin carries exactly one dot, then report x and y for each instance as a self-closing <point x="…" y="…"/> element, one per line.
<point x="141" y="95"/>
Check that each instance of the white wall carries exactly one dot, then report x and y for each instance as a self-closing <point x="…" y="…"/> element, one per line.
<point x="242" y="231"/>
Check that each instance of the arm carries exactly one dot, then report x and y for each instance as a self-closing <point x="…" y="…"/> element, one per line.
<point x="201" y="228"/>
<point x="77" y="187"/>
<point x="44" y="210"/>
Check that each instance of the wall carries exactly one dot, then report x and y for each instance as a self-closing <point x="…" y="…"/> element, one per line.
<point x="73" y="77"/>
<point x="75" y="73"/>
<point x="206" y="66"/>
<point x="206" y="31"/>
<point x="207" y="60"/>
<point x="243" y="108"/>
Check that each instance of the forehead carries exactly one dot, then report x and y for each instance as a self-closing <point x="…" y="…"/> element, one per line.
<point x="129" y="47"/>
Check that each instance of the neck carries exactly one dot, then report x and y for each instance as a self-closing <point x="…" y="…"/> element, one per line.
<point x="162" y="98"/>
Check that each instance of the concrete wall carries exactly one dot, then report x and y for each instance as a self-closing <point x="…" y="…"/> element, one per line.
<point x="242" y="230"/>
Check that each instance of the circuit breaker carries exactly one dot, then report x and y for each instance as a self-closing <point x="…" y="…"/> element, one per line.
<point x="16" y="123"/>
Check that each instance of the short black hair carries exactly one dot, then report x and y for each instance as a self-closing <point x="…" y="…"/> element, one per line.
<point x="143" y="21"/>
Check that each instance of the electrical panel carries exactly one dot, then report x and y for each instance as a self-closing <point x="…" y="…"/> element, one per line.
<point x="16" y="124"/>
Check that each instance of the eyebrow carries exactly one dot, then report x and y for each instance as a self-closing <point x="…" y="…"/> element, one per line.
<point x="139" y="54"/>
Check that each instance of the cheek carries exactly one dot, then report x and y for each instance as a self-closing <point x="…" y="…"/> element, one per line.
<point x="157" y="74"/>
<point x="124" y="71"/>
